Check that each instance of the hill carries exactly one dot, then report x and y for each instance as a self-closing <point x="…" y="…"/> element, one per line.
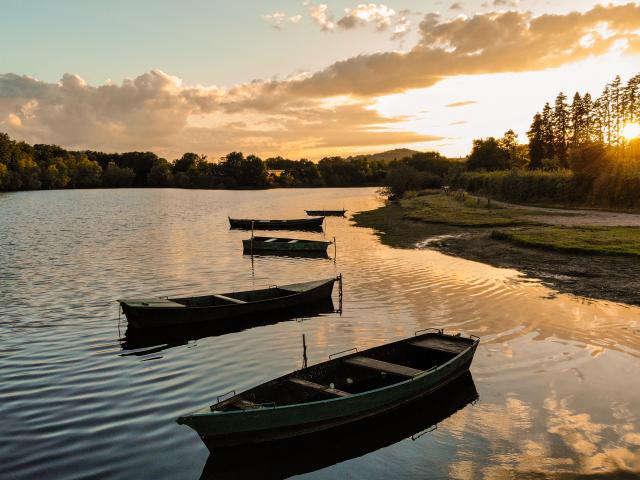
<point x="389" y="155"/>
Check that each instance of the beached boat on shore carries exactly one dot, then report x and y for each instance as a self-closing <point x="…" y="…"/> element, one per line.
<point x="337" y="392"/>
<point x="162" y="312"/>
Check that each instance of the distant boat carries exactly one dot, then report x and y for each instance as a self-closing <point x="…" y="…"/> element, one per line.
<point x="216" y="308"/>
<point x="270" y="244"/>
<point x="293" y="224"/>
<point x="326" y="213"/>
<point x="335" y="393"/>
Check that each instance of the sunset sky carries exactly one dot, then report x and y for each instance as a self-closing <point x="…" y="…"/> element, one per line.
<point x="299" y="78"/>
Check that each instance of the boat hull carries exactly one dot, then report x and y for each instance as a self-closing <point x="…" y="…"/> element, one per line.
<point x="300" y="246"/>
<point x="294" y="224"/>
<point x="148" y="317"/>
<point x="326" y="213"/>
<point x="226" y="429"/>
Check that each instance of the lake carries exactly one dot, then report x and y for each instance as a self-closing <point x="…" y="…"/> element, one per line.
<point x="556" y="375"/>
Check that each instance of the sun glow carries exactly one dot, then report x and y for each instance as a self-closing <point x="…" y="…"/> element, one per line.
<point x="631" y="130"/>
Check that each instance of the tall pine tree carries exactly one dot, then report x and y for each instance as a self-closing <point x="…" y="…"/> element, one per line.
<point x="561" y="129"/>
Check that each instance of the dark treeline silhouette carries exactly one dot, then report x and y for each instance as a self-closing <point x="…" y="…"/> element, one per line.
<point x="32" y="167"/>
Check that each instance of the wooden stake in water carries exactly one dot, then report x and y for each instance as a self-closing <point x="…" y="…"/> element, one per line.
<point x="304" y="352"/>
<point x="252" y="239"/>
<point x="335" y="250"/>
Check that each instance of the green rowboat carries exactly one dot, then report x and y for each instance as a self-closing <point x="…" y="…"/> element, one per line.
<point x="271" y="244"/>
<point x="224" y="307"/>
<point x="335" y="393"/>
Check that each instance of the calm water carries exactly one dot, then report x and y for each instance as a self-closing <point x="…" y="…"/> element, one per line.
<point x="557" y="376"/>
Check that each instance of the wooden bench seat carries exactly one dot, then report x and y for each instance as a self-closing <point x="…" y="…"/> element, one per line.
<point x="386" y="367"/>
<point x="318" y="387"/>
<point x="228" y="299"/>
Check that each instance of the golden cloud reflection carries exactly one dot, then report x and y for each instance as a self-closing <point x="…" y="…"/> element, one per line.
<point x="572" y="442"/>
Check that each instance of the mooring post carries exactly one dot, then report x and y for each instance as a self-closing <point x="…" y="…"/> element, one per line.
<point x="340" y="293"/>
<point x="252" y="239"/>
<point x="335" y="250"/>
<point x="304" y="352"/>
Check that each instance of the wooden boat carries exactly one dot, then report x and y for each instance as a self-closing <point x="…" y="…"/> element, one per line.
<point x="326" y="213"/>
<point x="284" y="459"/>
<point x="162" y="312"/>
<point x="314" y="223"/>
<point x="139" y="341"/>
<point x="269" y="244"/>
<point x="337" y="392"/>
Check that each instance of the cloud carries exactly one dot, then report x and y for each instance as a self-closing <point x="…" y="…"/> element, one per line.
<point x="456" y="6"/>
<point x="461" y="104"/>
<point x="459" y="122"/>
<point x="330" y="108"/>
<point x="156" y="112"/>
<point x="321" y="15"/>
<point x="505" y="3"/>
<point x="278" y="19"/>
<point x="378" y="15"/>
<point x="402" y="25"/>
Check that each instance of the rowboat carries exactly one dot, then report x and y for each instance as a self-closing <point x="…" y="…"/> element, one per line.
<point x="335" y="393"/>
<point x="284" y="459"/>
<point x="314" y="223"/>
<point x="326" y="213"/>
<point x="269" y="244"/>
<point x="162" y="312"/>
<point x="138" y="341"/>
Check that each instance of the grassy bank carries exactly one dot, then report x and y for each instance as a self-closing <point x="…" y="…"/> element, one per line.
<point x="590" y="240"/>
<point x="458" y="210"/>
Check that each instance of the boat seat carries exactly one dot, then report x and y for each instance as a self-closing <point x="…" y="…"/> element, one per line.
<point x="228" y="299"/>
<point x="442" y="345"/>
<point x="386" y="367"/>
<point x="318" y="387"/>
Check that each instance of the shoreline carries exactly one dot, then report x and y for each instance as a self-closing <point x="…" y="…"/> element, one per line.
<point x="596" y="276"/>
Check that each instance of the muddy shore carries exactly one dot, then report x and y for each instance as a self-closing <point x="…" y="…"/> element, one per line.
<point x="605" y="277"/>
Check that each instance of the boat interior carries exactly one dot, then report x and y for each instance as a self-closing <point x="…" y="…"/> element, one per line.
<point x="355" y="373"/>
<point x="285" y="240"/>
<point x="234" y="298"/>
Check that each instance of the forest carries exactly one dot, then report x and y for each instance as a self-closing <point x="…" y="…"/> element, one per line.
<point x="33" y="167"/>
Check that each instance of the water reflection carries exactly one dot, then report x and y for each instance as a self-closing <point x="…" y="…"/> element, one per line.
<point x="151" y="340"/>
<point x="293" y="457"/>
<point x="291" y="254"/>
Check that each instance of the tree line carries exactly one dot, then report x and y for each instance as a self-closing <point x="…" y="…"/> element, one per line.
<point x="558" y="130"/>
<point x="32" y="167"/>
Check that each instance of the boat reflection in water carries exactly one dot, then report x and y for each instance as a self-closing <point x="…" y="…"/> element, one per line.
<point x="283" y="459"/>
<point x="144" y="341"/>
<point x="289" y="254"/>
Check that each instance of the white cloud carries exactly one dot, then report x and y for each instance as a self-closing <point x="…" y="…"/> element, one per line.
<point x="378" y="15"/>
<point x="321" y="15"/>
<point x="278" y="19"/>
